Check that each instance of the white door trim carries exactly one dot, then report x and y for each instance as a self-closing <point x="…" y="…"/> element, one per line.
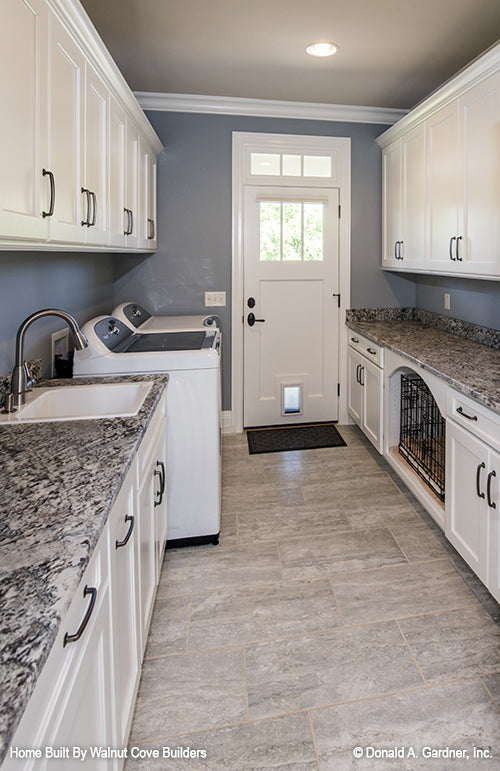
<point x="242" y="142"/>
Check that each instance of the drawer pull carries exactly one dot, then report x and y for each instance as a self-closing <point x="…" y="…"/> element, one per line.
<point x="491" y="503"/>
<point x="354" y="340"/>
<point x="478" y="480"/>
<point x="70" y="638"/>
<point x="370" y="350"/>
<point x="52" y="183"/>
<point x="119" y="544"/>
<point x="464" y="414"/>
<point x="161" y="473"/>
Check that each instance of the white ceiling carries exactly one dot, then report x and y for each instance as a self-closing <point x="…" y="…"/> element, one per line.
<point x="392" y="53"/>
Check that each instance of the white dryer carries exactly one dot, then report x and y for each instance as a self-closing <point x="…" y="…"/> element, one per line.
<point x="139" y="318"/>
<point x="192" y="360"/>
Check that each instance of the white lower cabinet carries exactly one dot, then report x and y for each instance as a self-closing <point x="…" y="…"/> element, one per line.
<point x="84" y="698"/>
<point x="124" y="570"/>
<point x="473" y="489"/>
<point x="366" y="387"/>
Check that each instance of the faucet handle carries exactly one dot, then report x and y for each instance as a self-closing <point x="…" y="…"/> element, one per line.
<point x="30" y="380"/>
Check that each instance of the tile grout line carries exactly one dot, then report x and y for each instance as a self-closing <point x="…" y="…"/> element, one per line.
<point x="489" y="692"/>
<point x="426" y="683"/>
<point x="189" y="623"/>
<point x="337" y="603"/>
<point x="313" y="739"/>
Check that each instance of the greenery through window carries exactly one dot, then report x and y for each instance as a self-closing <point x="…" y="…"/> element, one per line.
<point x="291" y="230"/>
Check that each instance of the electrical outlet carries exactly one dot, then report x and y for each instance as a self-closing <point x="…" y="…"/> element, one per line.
<point x="213" y="299"/>
<point x="446" y="301"/>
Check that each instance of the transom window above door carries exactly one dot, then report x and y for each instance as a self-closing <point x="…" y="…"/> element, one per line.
<point x="291" y="230"/>
<point x="290" y="165"/>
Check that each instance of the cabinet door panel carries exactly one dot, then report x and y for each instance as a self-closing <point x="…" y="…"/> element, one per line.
<point x="413" y="198"/>
<point x="132" y="183"/>
<point x="117" y="133"/>
<point x="466" y="518"/>
<point x="355" y="390"/>
<point x="480" y="180"/>
<point x="442" y="190"/>
<point x="96" y="156"/>
<point x="372" y="378"/>
<point x="66" y="81"/>
<point x="23" y="191"/>
<point x="391" y="202"/>
<point x="493" y="502"/>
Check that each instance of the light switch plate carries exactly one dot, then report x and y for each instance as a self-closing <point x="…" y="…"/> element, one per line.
<point x="446" y="301"/>
<point x="215" y="299"/>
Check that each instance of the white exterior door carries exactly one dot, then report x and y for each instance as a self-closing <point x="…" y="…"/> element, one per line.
<point x="291" y="313"/>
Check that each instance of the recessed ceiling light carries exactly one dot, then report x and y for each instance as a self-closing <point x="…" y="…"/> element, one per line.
<point x="321" y="49"/>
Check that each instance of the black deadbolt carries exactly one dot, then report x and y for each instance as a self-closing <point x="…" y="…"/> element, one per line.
<point x="251" y="302"/>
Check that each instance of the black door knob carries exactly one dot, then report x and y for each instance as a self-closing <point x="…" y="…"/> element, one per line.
<point x="252" y="320"/>
<point x="251" y="302"/>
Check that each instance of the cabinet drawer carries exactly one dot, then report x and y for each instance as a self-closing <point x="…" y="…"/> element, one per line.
<point x="371" y="350"/>
<point x="477" y="419"/>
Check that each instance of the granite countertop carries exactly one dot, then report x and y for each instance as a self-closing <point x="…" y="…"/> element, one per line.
<point x="59" y="482"/>
<point x="471" y="368"/>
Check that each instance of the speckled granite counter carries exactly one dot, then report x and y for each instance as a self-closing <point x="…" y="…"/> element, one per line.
<point x="59" y="482"/>
<point x="470" y="367"/>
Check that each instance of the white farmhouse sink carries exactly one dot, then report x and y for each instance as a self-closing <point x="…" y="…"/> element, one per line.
<point x="80" y="402"/>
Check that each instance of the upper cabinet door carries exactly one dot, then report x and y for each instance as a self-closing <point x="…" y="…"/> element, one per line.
<point x="479" y="190"/>
<point x="391" y="204"/>
<point x="412" y="248"/>
<point x="95" y="196"/>
<point x="132" y="185"/>
<point x="117" y="134"/>
<point x="442" y="188"/>
<point x="147" y="198"/>
<point x="24" y="193"/>
<point x="66" y="72"/>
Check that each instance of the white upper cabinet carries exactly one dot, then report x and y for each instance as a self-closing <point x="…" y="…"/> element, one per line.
<point x="403" y="197"/>
<point x="441" y="186"/>
<point x="95" y="189"/>
<point x="147" y="212"/>
<point x="65" y="103"/>
<point x="24" y="193"/>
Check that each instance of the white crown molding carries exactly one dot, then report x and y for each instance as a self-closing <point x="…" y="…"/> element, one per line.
<point x="267" y="108"/>
<point x="482" y="67"/>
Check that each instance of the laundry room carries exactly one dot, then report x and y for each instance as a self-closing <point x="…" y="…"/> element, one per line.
<point x="250" y="385"/>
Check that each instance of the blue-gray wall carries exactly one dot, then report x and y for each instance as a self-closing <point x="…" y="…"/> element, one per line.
<point x="194" y="218"/>
<point x="471" y="300"/>
<point x="81" y="284"/>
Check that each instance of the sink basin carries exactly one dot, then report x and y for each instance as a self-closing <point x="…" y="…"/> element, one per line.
<point x="80" y="402"/>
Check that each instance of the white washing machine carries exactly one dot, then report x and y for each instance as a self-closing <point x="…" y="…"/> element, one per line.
<point x="139" y="318"/>
<point x="192" y="360"/>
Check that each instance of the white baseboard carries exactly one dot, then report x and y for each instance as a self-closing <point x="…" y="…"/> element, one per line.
<point x="226" y="422"/>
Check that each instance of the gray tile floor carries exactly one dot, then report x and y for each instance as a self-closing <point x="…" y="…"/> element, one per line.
<point x="333" y="615"/>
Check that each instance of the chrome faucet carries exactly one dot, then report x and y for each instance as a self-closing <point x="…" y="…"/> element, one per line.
<point x="21" y="379"/>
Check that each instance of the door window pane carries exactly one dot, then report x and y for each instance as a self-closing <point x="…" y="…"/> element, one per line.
<point x="270" y="230"/>
<point x="291" y="165"/>
<point x="317" y="166"/>
<point x="265" y="163"/>
<point x="291" y="230"/>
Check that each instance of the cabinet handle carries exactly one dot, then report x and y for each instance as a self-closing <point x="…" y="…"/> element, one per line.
<point x="354" y="340"/>
<point x="131" y="222"/>
<point x="119" y="544"/>
<point x="151" y="229"/>
<point x="161" y="474"/>
<point x="128" y="229"/>
<point x="370" y="350"/>
<point x="361" y="370"/>
<point x="459" y="238"/>
<point x="396" y="250"/>
<point x="491" y="503"/>
<point x="52" y="181"/>
<point x="478" y="480"/>
<point x="87" y="220"/>
<point x="400" y="250"/>
<point x="71" y="638"/>
<point x="451" y="248"/>
<point x="464" y="414"/>
<point x="357" y="374"/>
<point x="94" y="208"/>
